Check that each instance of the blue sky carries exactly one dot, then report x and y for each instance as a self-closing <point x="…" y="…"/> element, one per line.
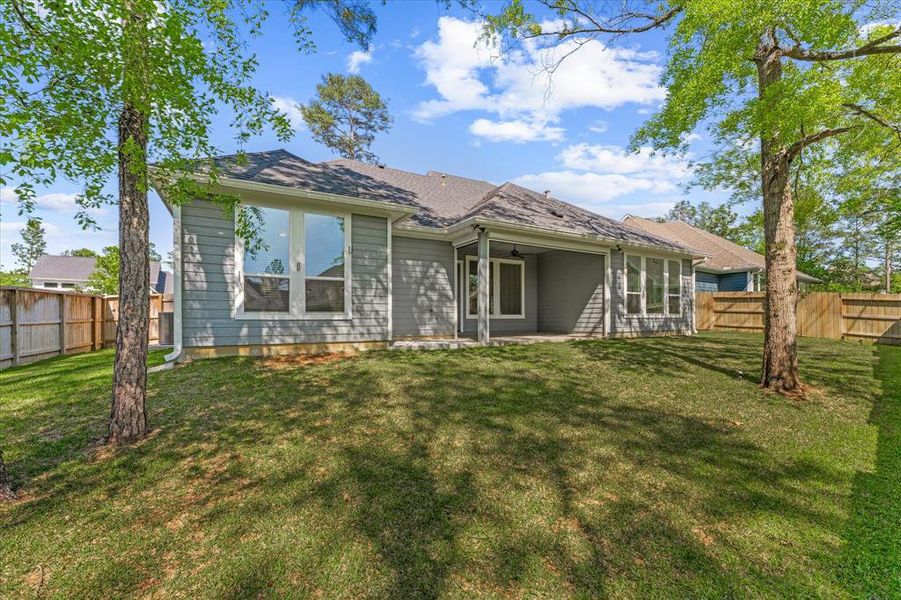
<point x="457" y="109"/>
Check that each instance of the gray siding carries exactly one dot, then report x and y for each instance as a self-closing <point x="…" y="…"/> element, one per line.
<point x="209" y="287"/>
<point x="571" y="292"/>
<point x="707" y="282"/>
<point x="622" y="324"/>
<point x="423" y="287"/>
<point x="529" y="323"/>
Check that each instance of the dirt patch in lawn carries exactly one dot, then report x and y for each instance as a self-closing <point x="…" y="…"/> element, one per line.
<point x="300" y="360"/>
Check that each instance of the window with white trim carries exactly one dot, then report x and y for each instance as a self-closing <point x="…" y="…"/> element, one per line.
<point x="299" y="268"/>
<point x="653" y="286"/>
<point x="506" y="288"/>
<point x="633" y="285"/>
<point x="655" y="275"/>
<point x="324" y="273"/>
<point x="267" y="282"/>
<point x="674" y="287"/>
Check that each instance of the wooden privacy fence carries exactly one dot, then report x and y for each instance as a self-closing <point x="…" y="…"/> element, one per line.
<point x="864" y="317"/>
<point x="39" y="323"/>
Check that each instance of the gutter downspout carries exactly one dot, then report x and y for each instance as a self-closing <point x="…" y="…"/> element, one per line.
<point x="173" y="356"/>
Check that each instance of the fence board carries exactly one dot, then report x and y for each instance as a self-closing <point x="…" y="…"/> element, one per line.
<point x="37" y="323"/>
<point x="864" y="317"/>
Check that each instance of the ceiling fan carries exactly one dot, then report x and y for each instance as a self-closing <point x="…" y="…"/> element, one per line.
<point x="515" y="253"/>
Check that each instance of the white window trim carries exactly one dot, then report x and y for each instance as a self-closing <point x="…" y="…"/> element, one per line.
<point x="643" y="285"/>
<point x="296" y="271"/>
<point x="494" y="265"/>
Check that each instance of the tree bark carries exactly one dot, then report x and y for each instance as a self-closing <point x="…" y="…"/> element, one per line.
<point x="6" y="492"/>
<point x="780" y="357"/>
<point x="128" y="415"/>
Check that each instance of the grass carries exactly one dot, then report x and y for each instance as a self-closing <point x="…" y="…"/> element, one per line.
<point x="628" y="468"/>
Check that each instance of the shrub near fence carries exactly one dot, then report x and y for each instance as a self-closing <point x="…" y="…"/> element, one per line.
<point x="864" y="317"/>
<point x="39" y="323"/>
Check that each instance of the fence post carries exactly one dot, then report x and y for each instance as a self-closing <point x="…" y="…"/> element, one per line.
<point x="14" y="332"/>
<point x="62" y="324"/>
<point x="841" y="316"/>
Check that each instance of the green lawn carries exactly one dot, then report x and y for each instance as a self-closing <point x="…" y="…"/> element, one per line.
<point x="627" y="468"/>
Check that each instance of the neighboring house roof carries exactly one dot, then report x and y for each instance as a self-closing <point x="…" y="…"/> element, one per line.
<point x="723" y="256"/>
<point x="441" y="200"/>
<point x="63" y="268"/>
<point x="77" y="269"/>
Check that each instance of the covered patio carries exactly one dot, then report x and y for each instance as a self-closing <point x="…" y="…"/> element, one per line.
<point x="513" y="288"/>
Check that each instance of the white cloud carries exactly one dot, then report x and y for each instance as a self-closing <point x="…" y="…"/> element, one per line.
<point x="518" y="131"/>
<point x="13" y="227"/>
<point x="599" y="126"/>
<point x="357" y="59"/>
<point x="288" y="106"/>
<point x="57" y="202"/>
<point x="591" y="175"/>
<point x="469" y="74"/>
<point x="615" y="159"/>
<point x="642" y="209"/>
<point x="588" y="189"/>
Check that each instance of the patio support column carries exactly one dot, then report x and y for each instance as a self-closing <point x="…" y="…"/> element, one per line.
<point x="483" y="290"/>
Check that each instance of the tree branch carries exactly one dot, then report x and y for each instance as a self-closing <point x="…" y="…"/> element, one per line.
<point x="813" y="138"/>
<point x="870" y="48"/>
<point x="597" y="27"/>
<point x="858" y="109"/>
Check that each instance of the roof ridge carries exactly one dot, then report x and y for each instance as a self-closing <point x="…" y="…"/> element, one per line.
<point x="428" y="175"/>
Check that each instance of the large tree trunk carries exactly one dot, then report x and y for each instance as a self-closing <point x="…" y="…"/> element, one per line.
<point x="6" y="492"/>
<point x="780" y="357"/>
<point x="128" y="415"/>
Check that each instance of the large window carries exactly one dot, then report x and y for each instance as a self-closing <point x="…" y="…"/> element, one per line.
<point x="267" y="283"/>
<point x="506" y="288"/>
<point x="674" y="287"/>
<point x="633" y="285"/>
<point x="298" y="268"/>
<point x="654" y="282"/>
<point x="653" y="286"/>
<point x="324" y="273"/>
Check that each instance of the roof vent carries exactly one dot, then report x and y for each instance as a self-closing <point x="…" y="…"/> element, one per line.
<point x="443" y="179"/>
<point x="381" y="166"/>
<point x="547" y="193"/>
<point x="557" y="214"/>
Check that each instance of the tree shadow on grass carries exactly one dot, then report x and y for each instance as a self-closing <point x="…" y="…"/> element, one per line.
<point x="870" y="562"/>
<point x="45" y="403"/>
<point x="737" y="356"/>
<point x="487" y="471"/>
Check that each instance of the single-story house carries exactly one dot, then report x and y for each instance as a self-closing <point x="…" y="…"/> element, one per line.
<point x="727" y="267"/>
<point x="358" y="256"/>
<point x="72" y="272"/>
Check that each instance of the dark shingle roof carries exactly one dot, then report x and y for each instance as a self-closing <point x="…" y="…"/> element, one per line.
<point x="441" y="199"/>
<point x="516" y="204"/>
<point x="723" y="255"/>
